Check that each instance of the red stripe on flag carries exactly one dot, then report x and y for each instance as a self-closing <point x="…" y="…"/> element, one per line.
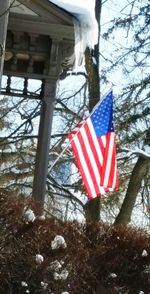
<point x="109" y="172"/>
<point x="112" y="174"/>
<point x="95" y="152"/>
<point x="93" y="141"/>
<point x="105" y="159"/>
<point x="89" y="164"/>
<point x="81" y="168"/>
<point x="91" y="159"/>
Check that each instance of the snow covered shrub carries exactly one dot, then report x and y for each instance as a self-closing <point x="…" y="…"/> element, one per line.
<point x="51" y="256"/>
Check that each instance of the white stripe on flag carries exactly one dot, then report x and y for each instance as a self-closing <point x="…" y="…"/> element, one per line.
<point x="95" y="141"/>
<point x="85" y="167"/>
<point x="109" y="159"/>
<point x="91" y="157"/>
<point x="103" y="138"/>
<point x="115" y="175"/>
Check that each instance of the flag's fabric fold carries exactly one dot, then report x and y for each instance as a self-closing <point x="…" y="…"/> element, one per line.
<point x="94" y="146"/>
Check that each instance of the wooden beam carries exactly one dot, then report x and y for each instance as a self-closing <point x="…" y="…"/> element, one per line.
<point x="46" y="9"/>
<point x="34" y="25"/>
<point x="4" y="12"/>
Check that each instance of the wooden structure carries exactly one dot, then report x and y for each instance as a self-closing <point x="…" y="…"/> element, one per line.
<point x="39" y="37"/>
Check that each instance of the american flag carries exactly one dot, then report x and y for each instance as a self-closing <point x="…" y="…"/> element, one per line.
<point x="94" y="146"/>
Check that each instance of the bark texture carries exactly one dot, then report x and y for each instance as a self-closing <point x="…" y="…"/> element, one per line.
<point x="138" y="173"/>
<point x="92" y="210"/>
<point x="140" y="170"/>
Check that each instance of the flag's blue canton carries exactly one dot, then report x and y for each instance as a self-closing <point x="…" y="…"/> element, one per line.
<point x="102" y="116"/>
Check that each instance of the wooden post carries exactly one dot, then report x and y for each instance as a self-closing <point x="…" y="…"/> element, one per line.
<point x="42" y="154"/>
<point x="4" y="12"/>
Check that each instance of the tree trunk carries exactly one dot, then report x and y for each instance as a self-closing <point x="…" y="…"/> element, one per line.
<point x="92" y="210"/>
<point x="138" y="173"/>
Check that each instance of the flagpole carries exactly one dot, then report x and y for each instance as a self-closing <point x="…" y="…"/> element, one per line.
<point x="60" y="155"/>
<point x="63" y="151"/>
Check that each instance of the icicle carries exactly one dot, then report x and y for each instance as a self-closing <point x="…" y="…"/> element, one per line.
<point x="86" y="35"/>
<point x="85" y="25"/>
<point x="86" y="32"/>
<point x="79" y="48"/>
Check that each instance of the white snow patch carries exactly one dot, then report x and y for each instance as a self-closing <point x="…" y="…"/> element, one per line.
<point x="113" y="275"/>
<point x="39" y="258"/>
<point x="55" y="265"/>
<point x="24" y="284"/>
<point x="144" y="253"/>
<point x="141" y="292"/>
<point x="85" y="25"/>
<point x="27" y="291"/>
<point x="44" y="285"/>
<point x="58" y="242"/>
<point x="29" y="216"/>
<point x="147" y="269"/>
<point x="42" y="217"/>
<point x="62" y="262"/>
<point x="64" y="292"/>
<point x="147" y="148"/>
<point x="94" y="60"/>
<point x="62" y="276"/>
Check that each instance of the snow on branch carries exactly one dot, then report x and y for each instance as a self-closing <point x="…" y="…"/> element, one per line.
<point x="142" y="153"/>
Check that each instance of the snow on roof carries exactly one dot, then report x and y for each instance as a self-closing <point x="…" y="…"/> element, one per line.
<point x="85" y="24"/>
